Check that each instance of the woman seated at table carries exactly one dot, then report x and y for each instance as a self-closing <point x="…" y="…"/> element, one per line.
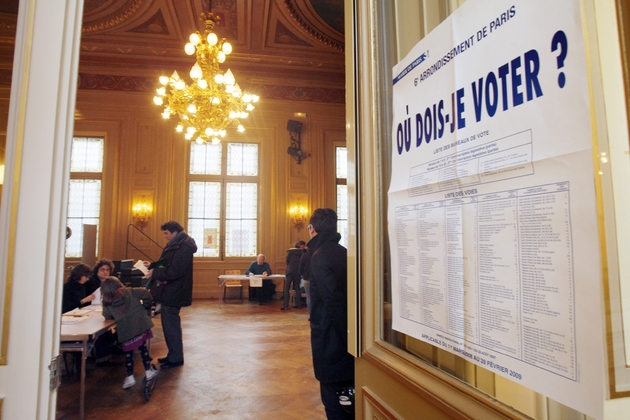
<point x="74" y="293"/>
<point x="103" y="269"/>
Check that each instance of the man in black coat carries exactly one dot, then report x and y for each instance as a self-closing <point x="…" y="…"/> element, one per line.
<point x="333" y="365"/>
<point x="171" y="284"/>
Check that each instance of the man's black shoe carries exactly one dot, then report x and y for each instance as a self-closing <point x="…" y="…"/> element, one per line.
<point x="169" y="365"/>
<point x="163" y="359"/>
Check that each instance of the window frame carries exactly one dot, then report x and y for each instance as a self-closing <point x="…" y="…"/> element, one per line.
<point x="339" y="182"/>
<point x="83" y="175"/>
<point x="224" y="179"/>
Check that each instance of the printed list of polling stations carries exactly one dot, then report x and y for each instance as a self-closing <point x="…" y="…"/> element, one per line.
<point x="480" y="111"/>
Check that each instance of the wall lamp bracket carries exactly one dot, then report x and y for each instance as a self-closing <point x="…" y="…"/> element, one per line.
<point x="141" y="214"/>
<point x="295" y="150"/>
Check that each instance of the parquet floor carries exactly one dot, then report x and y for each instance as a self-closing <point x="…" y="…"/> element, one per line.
<point x="242" y="361"/>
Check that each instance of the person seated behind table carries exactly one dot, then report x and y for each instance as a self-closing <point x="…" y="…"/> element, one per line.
<point x="261" y="267"/>
<point x="74" y="291"/>
<point x="75" y="296"/>
<point x="100" y="272"/>
<point x="103" y="345"/>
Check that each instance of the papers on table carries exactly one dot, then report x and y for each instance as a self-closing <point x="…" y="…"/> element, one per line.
<point x="97" y="297"/>
<point x="257" y="279"/>
<point x="77" y="315"/>
<point x="72" y="319"/>
<point x="77" y="312"/>
<point x="74" y="316"/>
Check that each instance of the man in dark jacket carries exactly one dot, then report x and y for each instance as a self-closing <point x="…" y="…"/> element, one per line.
<point x="257" y="268"/>
<point x="171" y="280"/>
<point x="333" y="365"/>
<point x="293" y="277"/>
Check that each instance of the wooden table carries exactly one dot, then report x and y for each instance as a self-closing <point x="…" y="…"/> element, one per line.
<point x="76" y="336"/>
<point x="223" y="278"/>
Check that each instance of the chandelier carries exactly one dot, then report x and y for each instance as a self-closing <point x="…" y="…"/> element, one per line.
<point x="213" y="101"/>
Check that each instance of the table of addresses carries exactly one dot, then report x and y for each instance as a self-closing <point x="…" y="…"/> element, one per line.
<point x="494" y="270"/>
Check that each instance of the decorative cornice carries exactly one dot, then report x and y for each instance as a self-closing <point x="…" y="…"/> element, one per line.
<point x="8" y="23"/>
<point x="155" y="25"/>
<point x="116" y="18"/>
<point x="299" y="17"/>
<point x="5" y="77"/>
<point x="302" y="94"/>
<point x="285" y="36"/>
<point x="144" y="85"/>
<point x="116" y="83"/>
<point x="93" y="82"/>
<point x="228" y="25"/>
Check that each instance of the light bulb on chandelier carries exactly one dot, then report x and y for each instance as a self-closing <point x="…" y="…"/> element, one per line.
<point x="213" y="101"/>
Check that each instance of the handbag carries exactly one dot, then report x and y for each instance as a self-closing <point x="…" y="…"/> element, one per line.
<point x="156" y="288"/>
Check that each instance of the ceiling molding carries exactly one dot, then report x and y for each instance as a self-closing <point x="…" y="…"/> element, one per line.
<point x="283" y="35"/>
<point x="311" y="24"/>
<point x="155" y="25"/>
<point x="280" y="45"/>
<point x="8" y="22"/>
<point x="265" y="91"/>
<point x="118" y="16"/>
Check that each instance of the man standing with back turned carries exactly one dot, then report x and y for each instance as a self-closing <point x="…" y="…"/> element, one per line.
<point x="333" y="365"/>
<point x="292" y="278"/>
<point x="171" y="279"/>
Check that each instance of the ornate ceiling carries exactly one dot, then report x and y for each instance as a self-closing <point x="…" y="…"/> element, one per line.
<point x="291" y="45"/>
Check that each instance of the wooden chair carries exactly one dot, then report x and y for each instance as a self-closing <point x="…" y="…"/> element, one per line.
<point x="232" y="284"/>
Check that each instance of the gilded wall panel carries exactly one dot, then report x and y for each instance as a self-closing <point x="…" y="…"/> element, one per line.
<point x="298" y="185"/>
<point x="145" y="149"/>
<point x="143" y="182"/>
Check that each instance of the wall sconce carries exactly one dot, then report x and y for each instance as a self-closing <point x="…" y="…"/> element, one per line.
<point x="295" y="131"/>
<point x="299" y="216"/>
<point x="141" y="214"/>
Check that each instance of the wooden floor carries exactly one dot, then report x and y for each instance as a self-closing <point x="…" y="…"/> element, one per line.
<point x="242" y="361"/>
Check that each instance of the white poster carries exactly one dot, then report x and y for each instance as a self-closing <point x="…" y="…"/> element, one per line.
<point x="492" y="216"/>
<point x="210" y="236"/>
